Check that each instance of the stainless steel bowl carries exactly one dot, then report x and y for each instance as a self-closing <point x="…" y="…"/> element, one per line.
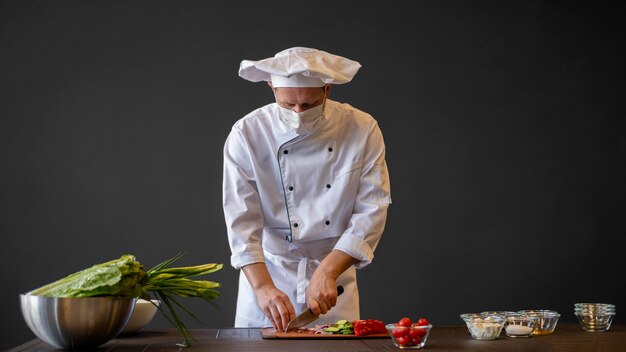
<point x="72" y="323"/>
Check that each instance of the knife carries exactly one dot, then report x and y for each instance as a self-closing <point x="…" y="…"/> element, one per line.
<point x="307" y="316"/>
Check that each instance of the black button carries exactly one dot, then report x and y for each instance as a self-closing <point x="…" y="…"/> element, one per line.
<point x="295" y="224"/>
<point x="290" y="188"/>
<point x="327" y="222"/>
<point x="327" y="186"/>
<point x="330" y="149"/>
<point x="285" y="152"/>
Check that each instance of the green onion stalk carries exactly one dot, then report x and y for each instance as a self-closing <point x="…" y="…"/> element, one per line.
<point x="126" y="277"/>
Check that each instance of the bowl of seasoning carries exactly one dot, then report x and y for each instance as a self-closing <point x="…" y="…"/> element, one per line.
<point x="502" y="313"/>
<point x="520" y="325"/>
<point x="546" y="320"/>
<point x="483" y="327"/>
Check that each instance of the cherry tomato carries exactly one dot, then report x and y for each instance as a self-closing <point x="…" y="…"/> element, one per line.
<point x="405" y="322"/>
<point x="422" y="322"/>
<point x="416" y="341"/>
<point x="403" y="340"/>
<point x="417" y="333"/>
<point x="399" y="331"/>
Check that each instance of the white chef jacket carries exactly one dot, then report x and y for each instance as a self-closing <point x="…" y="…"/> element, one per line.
<point x="290" y="199"/>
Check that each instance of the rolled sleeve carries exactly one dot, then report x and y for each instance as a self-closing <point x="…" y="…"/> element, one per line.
<point x="247" y="254"/>
<point x="357" y="248"/>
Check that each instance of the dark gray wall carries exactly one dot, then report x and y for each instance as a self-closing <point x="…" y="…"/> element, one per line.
<point x="504" y="124"/>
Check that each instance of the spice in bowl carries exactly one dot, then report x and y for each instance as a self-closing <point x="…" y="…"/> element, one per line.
<point x="546" y="321"/>
<point x="483" y="327"/>
<point x="520" y="325"/>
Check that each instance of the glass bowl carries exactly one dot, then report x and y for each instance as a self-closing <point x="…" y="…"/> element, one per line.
<point x="502" y="313"/>
<point x="594" y="317"/>
<point x="595" y="323"/>
<point x="546" y="322"/>
<point x="483" y="327"/>
<point x="520" y="325"/>
<point x="409" y="337"/>
<point x="590" y="308"/>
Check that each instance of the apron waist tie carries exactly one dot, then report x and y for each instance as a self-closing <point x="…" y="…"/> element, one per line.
<point x="303" y="277"/>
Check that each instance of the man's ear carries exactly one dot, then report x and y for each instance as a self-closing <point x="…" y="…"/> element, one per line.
<point x="269" y="83"/>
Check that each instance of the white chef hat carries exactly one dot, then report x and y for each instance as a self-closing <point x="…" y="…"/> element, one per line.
<point x="300" y="67"/>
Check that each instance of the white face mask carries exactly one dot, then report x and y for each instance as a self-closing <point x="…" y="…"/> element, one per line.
<point x="302" y="122"/>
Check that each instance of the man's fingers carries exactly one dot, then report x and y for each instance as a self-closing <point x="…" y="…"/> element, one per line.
<point x="284" y="315"/>
<point x="276" y="319"/>
<point x="316" y="306"/>
<point x="268" y="313"/>
<point x="290" y="310"/>
<point x="333" y="300"/>
<point x="323" y="307"/>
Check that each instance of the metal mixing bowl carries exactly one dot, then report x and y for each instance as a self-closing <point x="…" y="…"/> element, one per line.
<point x="73" y="323"/>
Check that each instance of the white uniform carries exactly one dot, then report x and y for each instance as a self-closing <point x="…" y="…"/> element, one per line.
<point x="290" y="199"/>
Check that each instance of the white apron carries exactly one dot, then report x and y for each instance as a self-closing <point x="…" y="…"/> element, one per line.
<point x="285" y="268"/>
<point x="290" y="199"/>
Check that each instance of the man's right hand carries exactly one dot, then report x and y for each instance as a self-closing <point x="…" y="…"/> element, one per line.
<point x="274" y="303"/>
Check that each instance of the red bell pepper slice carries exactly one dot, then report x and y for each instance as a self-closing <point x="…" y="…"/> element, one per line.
<point x="369" y="327"/>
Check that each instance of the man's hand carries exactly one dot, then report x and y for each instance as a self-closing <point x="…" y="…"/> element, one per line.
<point x="321" y="294"/>
<point x="274" y="303"/>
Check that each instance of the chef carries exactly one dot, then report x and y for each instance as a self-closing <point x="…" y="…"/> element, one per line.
<point x="305" y="192"/>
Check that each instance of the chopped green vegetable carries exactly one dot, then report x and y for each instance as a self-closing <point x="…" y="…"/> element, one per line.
<point x="341" y="327"/>
<point x="126" y="277"/>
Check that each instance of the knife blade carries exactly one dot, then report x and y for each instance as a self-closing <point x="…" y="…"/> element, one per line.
<point x="307" y="316"/>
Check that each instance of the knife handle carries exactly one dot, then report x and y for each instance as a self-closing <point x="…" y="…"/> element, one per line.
<point x="339" y="290"/>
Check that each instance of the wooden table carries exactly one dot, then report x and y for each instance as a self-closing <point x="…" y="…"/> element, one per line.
<point x="567" y="337"/>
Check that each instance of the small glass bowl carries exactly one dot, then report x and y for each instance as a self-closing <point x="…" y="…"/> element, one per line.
<point x="595" y="323"/>
<point x="546" y="322"/>
<point x="413" y="337"/>
<point x="520" y="325"/>
<point x="502" y="313"/>
<point x="483" y="327"/>
<point x="592" y="308"/>
<point x="594" y="317"/>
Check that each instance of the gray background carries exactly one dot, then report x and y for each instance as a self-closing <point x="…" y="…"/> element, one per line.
<point x="504" y="125"/>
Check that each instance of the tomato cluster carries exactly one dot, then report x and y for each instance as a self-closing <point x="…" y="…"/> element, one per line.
<point x="407" y="333"/>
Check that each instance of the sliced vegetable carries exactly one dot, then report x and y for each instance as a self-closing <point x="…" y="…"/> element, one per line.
<point x="340" y="327"/>
<point x="369" y="327"/>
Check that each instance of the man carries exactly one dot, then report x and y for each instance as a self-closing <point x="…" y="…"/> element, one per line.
<point x="305" y="192"/>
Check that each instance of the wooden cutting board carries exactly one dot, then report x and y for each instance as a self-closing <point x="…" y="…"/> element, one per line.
<point x="270" y="333"/>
